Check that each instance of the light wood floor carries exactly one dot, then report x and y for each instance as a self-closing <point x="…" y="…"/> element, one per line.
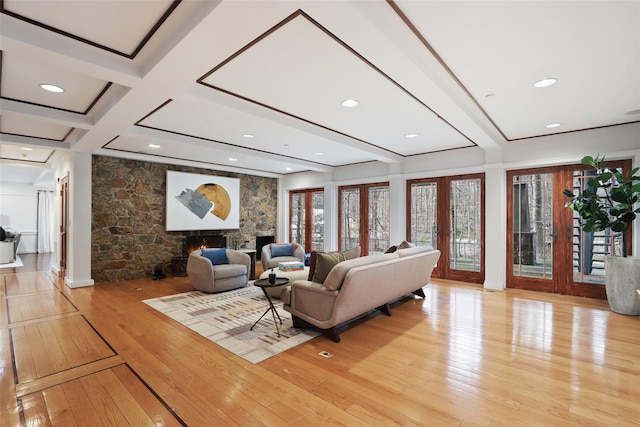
<point x="461" y="357"/>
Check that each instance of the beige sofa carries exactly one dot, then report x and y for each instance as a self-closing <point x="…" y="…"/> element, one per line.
<point x="206" y="277"/>
<point x="356" y="286"/>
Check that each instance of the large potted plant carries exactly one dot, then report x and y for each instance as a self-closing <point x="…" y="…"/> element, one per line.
<point x="609" y="202"/>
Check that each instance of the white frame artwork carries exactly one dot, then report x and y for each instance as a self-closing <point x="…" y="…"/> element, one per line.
<point x="202" y="202"/>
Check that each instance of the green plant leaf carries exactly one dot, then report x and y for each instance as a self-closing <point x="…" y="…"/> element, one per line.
<point x="588" y="161"/>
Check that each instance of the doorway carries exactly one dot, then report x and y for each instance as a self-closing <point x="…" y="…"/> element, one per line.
<point x="448" y="214"/>
<point x="64" y="199"/>
<point x="546" y="248"/>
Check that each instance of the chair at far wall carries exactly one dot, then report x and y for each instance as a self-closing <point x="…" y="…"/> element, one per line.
<point x="274" y="253"/>
<point x="229" y="271"/>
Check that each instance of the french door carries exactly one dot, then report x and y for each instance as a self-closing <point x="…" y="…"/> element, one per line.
<point x="448" y="214"/>
<point x="306" y="218"/>
<point x="364" y="217"/>
<point x="546" y="248"/>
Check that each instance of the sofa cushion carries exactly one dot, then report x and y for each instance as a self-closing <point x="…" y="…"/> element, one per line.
<point x="327" y="261"/>
<point x="216" y="256"/>
<point x="281" y="250"/>
<point x="336" y="276"/>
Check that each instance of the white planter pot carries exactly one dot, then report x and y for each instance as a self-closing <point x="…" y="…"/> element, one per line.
<point x="622" y="279"/>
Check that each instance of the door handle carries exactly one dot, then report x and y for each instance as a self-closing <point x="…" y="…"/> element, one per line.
<point x="569" y="232"/>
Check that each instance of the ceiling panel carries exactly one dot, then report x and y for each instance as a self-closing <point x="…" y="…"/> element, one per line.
<point x="300" y="69"/>
<point x="16" y="124"/>
<point x="498" y="50"/>
<point x="24" y="153"/>
<point x="21" y="78"/>
<point x="218" y="123"/>
<point x="118" y="25"/>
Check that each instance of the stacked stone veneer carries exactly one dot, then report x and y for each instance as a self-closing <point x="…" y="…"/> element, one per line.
<point x="128" y="238"/>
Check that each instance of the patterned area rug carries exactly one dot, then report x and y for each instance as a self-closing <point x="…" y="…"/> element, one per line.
<point x="226" y="319"/>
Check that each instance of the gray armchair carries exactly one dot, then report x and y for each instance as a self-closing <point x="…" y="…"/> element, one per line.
<point x="270" y="261"/>
<point x="210" y="278"/>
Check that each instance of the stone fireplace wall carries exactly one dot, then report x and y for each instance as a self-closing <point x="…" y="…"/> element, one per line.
<point x="128" y="238"/>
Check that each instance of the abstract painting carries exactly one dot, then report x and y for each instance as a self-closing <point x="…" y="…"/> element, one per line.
<point x="202" y="202"/>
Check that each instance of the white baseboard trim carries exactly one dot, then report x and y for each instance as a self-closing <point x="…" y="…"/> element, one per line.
<point x="78" y="284"/>
<point x="494" y="286"/>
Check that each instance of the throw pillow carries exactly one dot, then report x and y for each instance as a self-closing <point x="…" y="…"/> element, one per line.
<point x="328" y="262"/>
<point x="281" y="250"/>
<point x="405" y="245"/>
<point x="391" y="250"/>
<point x="325" y="261"/>
<point x="351" y="253"/>
<point x="216" y="256"/>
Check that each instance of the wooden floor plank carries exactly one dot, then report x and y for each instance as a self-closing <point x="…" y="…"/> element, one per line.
<point x="29" y="387"/>
<point x="36" y="306"/>
<point x="58" y="407"/>
<point x="28" y="283"/>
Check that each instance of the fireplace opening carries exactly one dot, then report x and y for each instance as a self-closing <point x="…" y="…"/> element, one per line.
<point x="201" y="242"/>
<point x="262" y="241"/>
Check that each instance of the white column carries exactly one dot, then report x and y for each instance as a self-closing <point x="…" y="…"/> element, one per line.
<point x="330" y="215"/>
<point x="397" y="210"/>
<point x="79" y="222"/>
<point x="495" y="228"/>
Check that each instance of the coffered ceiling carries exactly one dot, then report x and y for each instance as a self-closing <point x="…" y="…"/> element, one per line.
<point x="258" y="86"/>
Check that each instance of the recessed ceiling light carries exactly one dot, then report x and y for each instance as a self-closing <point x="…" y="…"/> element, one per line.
<point x="154" y="146"/>
<point x="247" y="135"/>
<point x="51" y="88"/>
<point x="489" y="95"/>
<point x="349" y="103"/>
<point x="411" y="135"/>
<point x="545" y="82"/>
<point x="26" y="148"/>
<point x="553" y="125"/>
<point x="289" y="169"/>
<point x="233" y="159"/>
<point x="318" y="153"/>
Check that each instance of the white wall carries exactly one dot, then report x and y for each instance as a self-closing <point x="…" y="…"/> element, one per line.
<point x="621" y="142"/>
<point x="20" y="203"/>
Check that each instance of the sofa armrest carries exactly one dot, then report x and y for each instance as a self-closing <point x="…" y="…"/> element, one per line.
<point x="199" y="268"/>
<point x="237" y="257"/>
<point x="299" y="253"/>
<point x="265" y="257"/>
<point x="308" y="299"/>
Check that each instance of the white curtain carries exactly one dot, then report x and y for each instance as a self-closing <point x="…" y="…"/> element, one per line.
<point x="45" y="221"/>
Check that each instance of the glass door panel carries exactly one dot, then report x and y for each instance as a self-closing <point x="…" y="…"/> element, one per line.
<point x="423" y="223"/>
<point x="298" y="218"/>
<point x="378" y="220"/>
<point x="533" y="225"/>
<point x="350" y="218"/>
<point x="317" y="221"/>
<point x="465" y="232"/>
